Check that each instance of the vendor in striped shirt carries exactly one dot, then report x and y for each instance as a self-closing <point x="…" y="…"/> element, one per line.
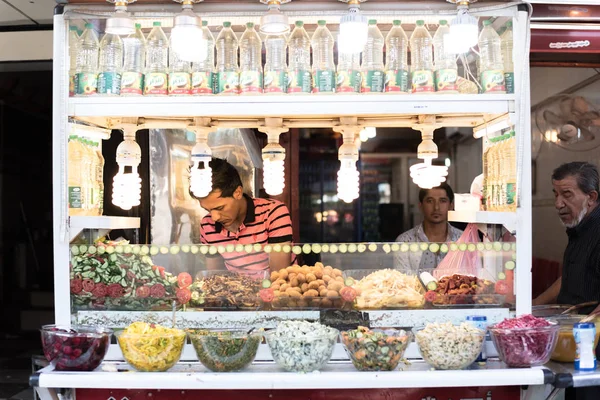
<point x="236" y="218"/>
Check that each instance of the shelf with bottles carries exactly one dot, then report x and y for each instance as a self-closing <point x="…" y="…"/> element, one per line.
<point x="105" y="66"/>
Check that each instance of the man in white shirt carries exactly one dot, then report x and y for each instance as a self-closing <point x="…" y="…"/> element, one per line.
<point x="434" y="205"/>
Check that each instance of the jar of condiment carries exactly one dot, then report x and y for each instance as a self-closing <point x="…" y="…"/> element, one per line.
<point x="479" y="322"/>
<point x="585" y="334"/>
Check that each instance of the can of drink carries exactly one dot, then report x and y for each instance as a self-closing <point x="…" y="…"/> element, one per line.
<point x="479" y="322"/>
<point x="584" y="334"/>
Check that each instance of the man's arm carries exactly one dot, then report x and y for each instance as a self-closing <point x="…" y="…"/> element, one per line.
<point x="550" y="295"/>
<point x="279" y="225"/>
<point x="215" y="263"/>
<point x="280" y="260"/>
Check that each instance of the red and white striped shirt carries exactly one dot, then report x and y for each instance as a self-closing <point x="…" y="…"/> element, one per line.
<point x="267" y="221"/>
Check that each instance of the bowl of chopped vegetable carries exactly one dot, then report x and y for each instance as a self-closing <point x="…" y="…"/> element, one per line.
<point x="376" y="350"/>
<point x="448" y="346"/>
<point x="524" y="341"/>
<point x="225" y="350"/>
<point x="75" y="348"/>
<point x="300" y="346"/>
<point x="150" y="347"/>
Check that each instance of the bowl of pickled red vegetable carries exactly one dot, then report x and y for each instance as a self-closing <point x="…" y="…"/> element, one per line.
<point x="225" y="351"/>
<point x="376" y="350"/>
<point x="75" y="348"/>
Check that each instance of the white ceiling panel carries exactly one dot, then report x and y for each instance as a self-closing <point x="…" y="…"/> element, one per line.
<point x="38" y="10"/>
<point x="10" y="16"/>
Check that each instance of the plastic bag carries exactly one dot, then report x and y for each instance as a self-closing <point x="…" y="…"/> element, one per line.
<point x="461" y="262"/>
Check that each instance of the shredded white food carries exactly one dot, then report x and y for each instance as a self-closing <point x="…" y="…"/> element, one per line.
<point x="301" y="346"/>
<point x="447" y="346"/>
<point x="389" y="288"/>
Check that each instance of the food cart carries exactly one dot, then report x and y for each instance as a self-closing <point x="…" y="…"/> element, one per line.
<point x="74" y="236"/>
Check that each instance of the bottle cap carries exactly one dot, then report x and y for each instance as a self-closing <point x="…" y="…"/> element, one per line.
<point x="156" y="23"/>
<point x="250" y="25"/>
<point x="372" y="22"/>
<point x="487" y="22"/>
<point x="397" y="22"/>
<point x="72" y="28"/>
<point x="227" y="24"/>
<point x="509" y="24"/>
<point x="321" y="22"/>
<point x="443" y="22"/>
<point x="477" y="318"/>
<point x="420" y="22"/>
<point x="89" y="26"/>
<point x="205" y="23"/>
<point x="138" y="26"/>
<point x="584" y="325"/>
<point x="299" y="24"/>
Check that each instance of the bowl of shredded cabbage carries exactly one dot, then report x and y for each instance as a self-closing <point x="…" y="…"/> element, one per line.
<point x="151" y="347"/>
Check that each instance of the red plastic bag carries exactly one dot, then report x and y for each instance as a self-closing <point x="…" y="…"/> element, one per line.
<point x="461" y="262"/>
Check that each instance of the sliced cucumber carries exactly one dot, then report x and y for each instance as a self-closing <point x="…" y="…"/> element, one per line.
<point x="92" y="250"/>
<point x="501" y="276"/>
<point x="510" y="265"/>
<point x="113" y="257"/>
<point x="266" y="283"/>
<point x="432" y="285"/>
<point x="82" y="249"/>
<point x="349" y="281"/>
<point x="101" y="249"/>
<point x="75" y="250"/>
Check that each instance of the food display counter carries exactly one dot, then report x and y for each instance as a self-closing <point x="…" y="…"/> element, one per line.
<point x="144" y="288"/>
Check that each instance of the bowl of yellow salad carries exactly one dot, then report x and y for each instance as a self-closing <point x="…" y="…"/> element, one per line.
<point x="151" y="347"/>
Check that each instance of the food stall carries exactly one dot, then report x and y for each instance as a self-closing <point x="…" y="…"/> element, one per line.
<point x="145" y="286"/>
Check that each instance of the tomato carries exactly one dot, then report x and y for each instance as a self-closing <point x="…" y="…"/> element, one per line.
<point x="184" y="280"/>
<point x="142" y="292"/>
<point x="157" y="291"/>
<point x="348" y="293"/>
<point x="88" y="285"/>
<point x="161" y="270"/>
<point x="76" y="286"/>
<point x="267" y="295"/>
<point x="115" y="290"/>
<point x="501" y="287"/>
<point x="99" y="290"/>
<point x="184" y="295"/>
<point x="431" y="296"/>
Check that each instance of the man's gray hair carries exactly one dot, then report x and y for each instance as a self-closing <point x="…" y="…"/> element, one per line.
<point x="586" y="174"/>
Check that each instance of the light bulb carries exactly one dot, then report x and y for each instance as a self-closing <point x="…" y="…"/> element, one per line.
<point x="274" y="22"/>
<point x="348" y="181"/>
<point x="464" y="32"/>
<point x="127" y="184"/>
<point x="354" y="29"/>
<point x="187" y="36"/>
<point x="201" y="172"/>
<point x="273" y="155"/>
<point x="428" y="176"/>
<point x="120" y="23"/>
<point x="367" y="133"/>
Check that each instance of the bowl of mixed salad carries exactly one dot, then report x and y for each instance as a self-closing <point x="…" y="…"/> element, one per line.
<point x="448" y="346"/>
<point x="225" y="350"/>
<point x="377" y="349"/>
<point x="151" y="347"/>
<point x="524" y="341"/>
<point x="300" y="346"/>
<point x="75" y="348"/>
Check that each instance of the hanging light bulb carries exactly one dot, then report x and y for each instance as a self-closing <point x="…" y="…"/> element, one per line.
<point x="464" y="29"/>
<point x="120" y="23"/>
<point x="273" y="155"/>
<point x="354" y="29"/>
<point x="201" y="172"/>
<point x="274" y="22"/>
<point x="425" y="175"/>
<point x="127" y="184"/>
<point x="186" y="35"/>
<point x="367" y="133"/>
<point x="347" y="177"/>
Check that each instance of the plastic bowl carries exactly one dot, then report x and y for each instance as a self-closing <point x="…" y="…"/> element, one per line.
<point x="151" y="352"/>
<point x="525" y="347"/>
<point x="443" y="351"/>
<point x="80" y="348"/>
<point x="303" y="353"/>
<point x="376" y="350"/>
<point x="225" y="350"/>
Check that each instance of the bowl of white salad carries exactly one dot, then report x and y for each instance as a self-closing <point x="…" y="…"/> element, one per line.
<point x="300" y="346"/>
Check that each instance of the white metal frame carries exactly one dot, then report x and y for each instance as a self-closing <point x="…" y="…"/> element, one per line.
<point x="320" y="109"/>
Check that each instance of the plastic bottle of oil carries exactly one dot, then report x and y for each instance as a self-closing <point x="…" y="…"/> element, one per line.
<point x="323" y="67"/>
<point x="421" y="57"/>
<point x="75" y="182"/>
<point x="299" y="70"/>
<point x="396" y="59"/>
<point x="227" y="80"/>
<point x="251" y="69"/>
<point x="373" y="78"/>
<point x="511" y="176"/>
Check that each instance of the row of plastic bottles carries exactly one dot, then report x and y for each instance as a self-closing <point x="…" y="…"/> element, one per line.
<point x="135" y="65"/>
<point x="500" y="173"/>
<point x="85" y="177"/>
